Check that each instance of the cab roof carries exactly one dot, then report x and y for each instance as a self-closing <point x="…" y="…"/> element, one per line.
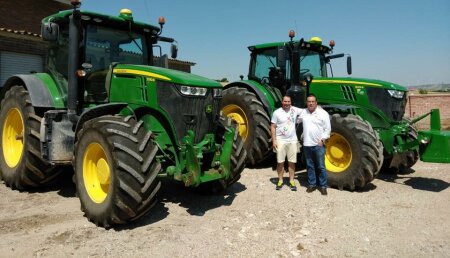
<point x="306" y="45"/>
<point x="108" y="20"/>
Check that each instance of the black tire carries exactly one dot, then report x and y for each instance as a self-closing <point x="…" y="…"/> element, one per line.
<point x="362" y="153"/>
<point x="238" y="160"/>
<point x="131" y="183"/>
<point x="252" y="115"/>
<point x="22" y="167"/>
<point x="405" y="160"/>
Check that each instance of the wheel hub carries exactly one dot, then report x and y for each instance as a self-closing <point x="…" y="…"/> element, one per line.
<point x="96" y="172"/>
<point x="236" y="114"/>
<point x="338" y="155"/>
<point x="13" y="137"/>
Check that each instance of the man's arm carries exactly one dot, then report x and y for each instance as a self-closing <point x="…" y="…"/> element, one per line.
<point x="273" y="130"/>
<point x="327" y="127"/>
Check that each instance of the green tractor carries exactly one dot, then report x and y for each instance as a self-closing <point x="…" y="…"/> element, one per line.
<point x="122" y="122"/>
<point x="369" y="131"/>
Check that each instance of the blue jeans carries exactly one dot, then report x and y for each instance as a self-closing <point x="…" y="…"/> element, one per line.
<point x="315" y="162"/>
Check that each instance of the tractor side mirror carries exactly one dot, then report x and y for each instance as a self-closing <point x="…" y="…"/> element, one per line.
<point x="349" y="65"/>
<point x="281" y="58"/>
<point x="50" y="31"/>
<point x="173" y="51"/>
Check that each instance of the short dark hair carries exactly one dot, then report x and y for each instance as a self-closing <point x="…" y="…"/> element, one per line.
<point x="287" y="96"/>
<point x="311" y="95"/>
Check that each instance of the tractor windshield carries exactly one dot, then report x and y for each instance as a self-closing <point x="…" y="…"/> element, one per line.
<point x="265" y="60"/>
<point x="311" y="62"/>
<point x="107" y="45"/>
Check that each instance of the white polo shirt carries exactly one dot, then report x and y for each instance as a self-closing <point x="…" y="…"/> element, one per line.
<point x="286" y="122"/>
<point x="316" y="126"/>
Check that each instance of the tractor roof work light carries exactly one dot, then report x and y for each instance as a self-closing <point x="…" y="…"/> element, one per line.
<point x="75" y="3"/>
<point x="332" y="43"/>
<point x="291" y="34"/>
<point x="161" y="21"/>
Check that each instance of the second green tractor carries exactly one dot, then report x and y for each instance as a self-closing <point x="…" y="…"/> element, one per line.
<point x="369" y="131"/>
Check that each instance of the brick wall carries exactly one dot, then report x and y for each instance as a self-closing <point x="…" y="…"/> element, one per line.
<point x="421" y="104"/>
<point x="27" y="14"/>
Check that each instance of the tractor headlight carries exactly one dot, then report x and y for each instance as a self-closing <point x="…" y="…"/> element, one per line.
<point x="396" y="94"/>
<point x="193" y="91"/>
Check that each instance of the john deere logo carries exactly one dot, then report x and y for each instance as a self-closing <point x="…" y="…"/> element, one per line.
<point x="208" y="109"/>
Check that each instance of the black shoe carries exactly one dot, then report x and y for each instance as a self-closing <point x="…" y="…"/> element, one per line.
<point x="310" y="189"/>
<point x="323" y="191"/>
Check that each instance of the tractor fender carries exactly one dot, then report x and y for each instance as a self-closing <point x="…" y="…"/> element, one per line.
<point x="260" y="92"/>
<point x="100" y="110"/>
<point x="37" y="89"/>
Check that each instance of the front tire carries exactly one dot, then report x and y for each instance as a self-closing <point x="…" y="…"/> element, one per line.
<point x="20" y="153"/>
<point x="115" y="170"/>
<point x="354" y="153"/>
<point x="248" y="113"/>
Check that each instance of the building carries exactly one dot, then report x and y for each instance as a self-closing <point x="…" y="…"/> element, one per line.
<point x="21" y="48"/>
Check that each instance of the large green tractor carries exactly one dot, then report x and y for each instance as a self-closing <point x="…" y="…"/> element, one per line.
<point x="122" y="122"/>
<point x="368" y="128"/>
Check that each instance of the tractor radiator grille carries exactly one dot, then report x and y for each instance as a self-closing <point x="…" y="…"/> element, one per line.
<point x="348" y="92"/>
<point x="391" y="107"/>
<point x="196" y="113"/>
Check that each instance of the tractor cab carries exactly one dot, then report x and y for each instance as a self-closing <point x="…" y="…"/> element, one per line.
<point x="104" y="41"/>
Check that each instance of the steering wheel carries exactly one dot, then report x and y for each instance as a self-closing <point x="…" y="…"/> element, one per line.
<point x="303" y="71"/>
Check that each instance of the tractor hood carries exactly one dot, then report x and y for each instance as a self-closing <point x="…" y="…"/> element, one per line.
<point x="359" y="81"/>
<point x="168" y="75"/>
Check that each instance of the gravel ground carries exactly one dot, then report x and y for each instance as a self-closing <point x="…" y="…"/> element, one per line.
<point x="395" y="216"/>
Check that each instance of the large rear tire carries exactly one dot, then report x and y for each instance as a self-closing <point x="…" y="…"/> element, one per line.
<point x="354" y="153"/>
<point x="115" y="170"/>
<point x="253" y="122"/>
<point x="20" y="153"/>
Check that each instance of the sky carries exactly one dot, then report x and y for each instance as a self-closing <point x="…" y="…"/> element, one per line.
<point x="401" y="41"/>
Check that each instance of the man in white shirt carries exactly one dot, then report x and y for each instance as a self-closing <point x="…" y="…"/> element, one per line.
<point x="316" y="130"/>
<point x="284" y="139"/>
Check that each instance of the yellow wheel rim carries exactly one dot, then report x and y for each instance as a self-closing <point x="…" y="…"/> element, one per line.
<point x="96" y="172"/>
<point x="236" y="114"/>
<point x="338" y="155"/>
<point x="13" y="137"/>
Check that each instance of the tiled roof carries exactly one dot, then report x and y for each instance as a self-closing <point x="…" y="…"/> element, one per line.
<point x="21" y="32"/>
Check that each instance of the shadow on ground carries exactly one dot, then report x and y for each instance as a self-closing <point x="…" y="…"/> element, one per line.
<point x="419" y="183"/>
<point x="196" y="204"/>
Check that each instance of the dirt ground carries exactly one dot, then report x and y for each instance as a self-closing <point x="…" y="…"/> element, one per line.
<point x="395" y="216"/>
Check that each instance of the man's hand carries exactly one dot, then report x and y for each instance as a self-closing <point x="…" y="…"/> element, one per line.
<point x="321" y="143"/>
<point x="274" y="144"/>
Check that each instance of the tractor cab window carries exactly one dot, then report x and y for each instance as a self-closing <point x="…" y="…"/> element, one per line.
<point x="58" y="56"/>
<point x="263" y="63"/>
<point x="105" y="46"/>
<point x="310" y="62"/>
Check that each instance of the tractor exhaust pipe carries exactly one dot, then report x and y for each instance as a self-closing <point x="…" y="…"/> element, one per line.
<point x="296" y="91"/>
<point x="74" y="57"/>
